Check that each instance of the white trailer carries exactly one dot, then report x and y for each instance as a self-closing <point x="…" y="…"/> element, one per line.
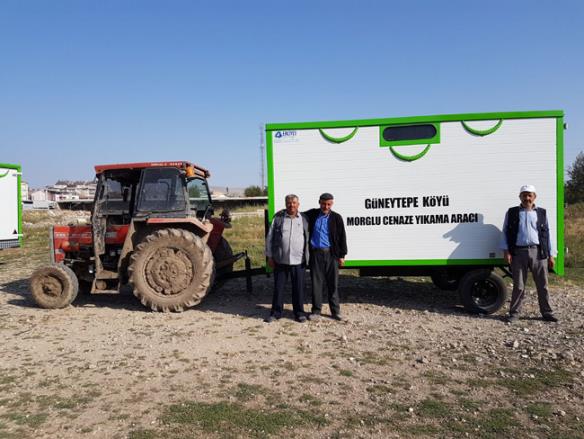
<point x="10" y="206"/>
<point x="425" y="195"/>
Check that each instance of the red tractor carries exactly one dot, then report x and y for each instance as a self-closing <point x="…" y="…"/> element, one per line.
<point x="151" y="228"/>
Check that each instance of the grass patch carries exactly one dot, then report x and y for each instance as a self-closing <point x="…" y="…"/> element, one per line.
<point x="246" y="392"/>
<point x="310" y="400"/>
<point x="434" y="377"/>
<point x="543" y="379"/>
<point x="345" y="372"/>
<point x="142" y="434"/>
<point x="539" y="409"/>
<point x="228" y="419"/>
<point x="433" y="408"/>
<point x="497" y="422"/>
<point x="30" y="420"/>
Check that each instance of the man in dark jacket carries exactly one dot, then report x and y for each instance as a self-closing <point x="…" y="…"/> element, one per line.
<point x="328" y="247"/>
<point x="527" y="246"/>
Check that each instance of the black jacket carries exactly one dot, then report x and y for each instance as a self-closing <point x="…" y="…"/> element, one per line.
<point x="543" y="231"/>
<point x="336" y="228"/>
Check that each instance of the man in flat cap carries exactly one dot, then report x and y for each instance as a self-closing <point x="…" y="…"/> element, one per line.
<point x="527" y="245"/>
<point x="288" y="254"/>
<point x="328" y="247"/>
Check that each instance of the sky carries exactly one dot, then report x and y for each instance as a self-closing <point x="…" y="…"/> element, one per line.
<point x="113" y="81"/>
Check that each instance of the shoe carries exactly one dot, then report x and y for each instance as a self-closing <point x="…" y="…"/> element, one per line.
<point x="313" y="317"/>
<point x="301" y="319"/>
<point x="338" y="317"/>
<point x="550" y="318"/>
<point x="271" y="318"/>
<point x="512" y="318"/>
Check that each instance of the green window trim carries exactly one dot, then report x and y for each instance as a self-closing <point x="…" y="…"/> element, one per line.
<point x="482" y="133"/>
<point x="338" y="139"/>
<point x="409" y="158"/>
<point x="431" y="140"/>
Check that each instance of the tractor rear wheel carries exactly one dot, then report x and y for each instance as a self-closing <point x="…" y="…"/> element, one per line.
<point x="55" y="286"/>
<point x="171" y="269"/>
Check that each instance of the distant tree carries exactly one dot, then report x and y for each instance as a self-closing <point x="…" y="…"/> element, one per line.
<point x="254" y="191"/>
<point x="575" y="185"/>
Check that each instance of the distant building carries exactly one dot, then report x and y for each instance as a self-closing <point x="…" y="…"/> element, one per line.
<point x="64" y="190"/>
<point x="24" y="195"/>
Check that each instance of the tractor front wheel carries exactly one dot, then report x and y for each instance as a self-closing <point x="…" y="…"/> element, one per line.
<point x="55" y="286"/>
<point x="172" y="269"/>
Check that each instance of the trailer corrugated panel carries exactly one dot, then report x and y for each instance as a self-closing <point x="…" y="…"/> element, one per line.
<point x="422" y="191"/>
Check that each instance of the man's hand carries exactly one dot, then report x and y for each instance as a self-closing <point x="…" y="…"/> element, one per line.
<point x="271" y="263"/>
<point x="551" y="262"/>
<point x="341" y="262"/>
<point x="507" y="256"/>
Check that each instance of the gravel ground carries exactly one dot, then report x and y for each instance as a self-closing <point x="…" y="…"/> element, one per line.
<point x="407" y="362"/>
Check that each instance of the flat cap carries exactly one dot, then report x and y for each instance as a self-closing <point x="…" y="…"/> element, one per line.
<point x="326" y="196"/>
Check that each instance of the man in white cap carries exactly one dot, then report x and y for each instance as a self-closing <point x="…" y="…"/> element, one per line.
<point x="527" y="246"/>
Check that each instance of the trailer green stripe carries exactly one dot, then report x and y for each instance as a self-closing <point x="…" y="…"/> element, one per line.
<point x="270" y="160"/>
<point x="416" y="119"/>
<point x="424" y="262"/>
<point x="559" y="269"/>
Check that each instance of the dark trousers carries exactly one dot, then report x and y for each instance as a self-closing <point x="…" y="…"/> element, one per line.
<point x="324" y="270"/>
<point x="525" y="260"/>
<point x="281" y="274"/>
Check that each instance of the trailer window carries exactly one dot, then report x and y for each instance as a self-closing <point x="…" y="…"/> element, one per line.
<point x="410" y="134"/>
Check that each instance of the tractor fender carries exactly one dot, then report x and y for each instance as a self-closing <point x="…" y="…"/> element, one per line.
<point x="204" y="228"/>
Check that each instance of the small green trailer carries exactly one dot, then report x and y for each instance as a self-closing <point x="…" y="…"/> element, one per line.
<point x="10" y="206"/>
<point x="425" y="195"/>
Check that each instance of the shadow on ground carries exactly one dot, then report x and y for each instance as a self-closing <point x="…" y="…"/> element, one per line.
<point x="232" y="298"/>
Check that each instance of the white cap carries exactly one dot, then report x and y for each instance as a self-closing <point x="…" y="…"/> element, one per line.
<point x="527" y="188"/>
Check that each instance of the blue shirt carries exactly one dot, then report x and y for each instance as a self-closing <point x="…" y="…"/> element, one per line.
<point x="320" y="234"/>
<point x="527" y="232"/>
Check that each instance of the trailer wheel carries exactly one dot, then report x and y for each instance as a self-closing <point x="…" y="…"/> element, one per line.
<point x="482" y="291"/>
<point x="55" y="286"/>
<point x="446" y="280"/>
<point x="171" y="269"/>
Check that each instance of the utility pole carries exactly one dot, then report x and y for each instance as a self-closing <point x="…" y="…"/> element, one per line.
<point x="262" y="155"/>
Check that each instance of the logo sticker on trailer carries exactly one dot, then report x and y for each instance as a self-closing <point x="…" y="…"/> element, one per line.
<point x="285" y="136"/>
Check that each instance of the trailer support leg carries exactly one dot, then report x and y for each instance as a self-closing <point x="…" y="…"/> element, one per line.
<point x="248" y="284"/>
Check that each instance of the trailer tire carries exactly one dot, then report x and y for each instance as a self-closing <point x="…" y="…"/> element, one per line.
<point x="445" y="280"/>
<point x="171" y="269"/>
<point x="482" y="291"/>
<point x="55" y="286"/>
